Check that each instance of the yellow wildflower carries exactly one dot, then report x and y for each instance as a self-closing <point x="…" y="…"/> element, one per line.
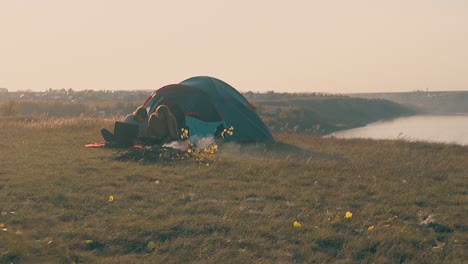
<point x="348" y="215"/>
<point x="229" y="131"/>
<point x="296" y="224"/>
<point x="370" y="228"/>
<point x="111" y="198"/>
<point x="184" y="134"/>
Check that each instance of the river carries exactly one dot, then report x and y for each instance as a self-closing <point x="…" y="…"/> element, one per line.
<point x="431" y="128"/>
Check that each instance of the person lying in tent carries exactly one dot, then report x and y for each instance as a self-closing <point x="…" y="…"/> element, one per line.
<point x="162" y="125"/>
<point x="139" y="117"/>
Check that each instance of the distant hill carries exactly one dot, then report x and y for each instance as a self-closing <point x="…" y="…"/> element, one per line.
<point x="425" y="102"/>
<point x="323" y="114"/>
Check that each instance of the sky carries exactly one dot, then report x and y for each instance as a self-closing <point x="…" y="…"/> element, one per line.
<point x="333" y="46"/>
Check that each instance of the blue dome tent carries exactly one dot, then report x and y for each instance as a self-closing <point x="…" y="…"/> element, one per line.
<point x="204" y="103"/>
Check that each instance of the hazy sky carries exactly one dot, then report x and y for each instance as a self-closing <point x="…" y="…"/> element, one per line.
<point x="335" y="46"/>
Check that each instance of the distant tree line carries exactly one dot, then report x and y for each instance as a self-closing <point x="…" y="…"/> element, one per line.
<point x="427" y="102"/>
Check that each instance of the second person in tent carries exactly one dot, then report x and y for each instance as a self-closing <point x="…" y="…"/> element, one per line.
<point x="162" y="124"/>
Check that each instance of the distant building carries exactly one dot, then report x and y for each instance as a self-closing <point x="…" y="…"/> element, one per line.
<point x="3" y="90"/>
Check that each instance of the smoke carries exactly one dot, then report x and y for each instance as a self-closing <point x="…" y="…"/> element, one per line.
<point x="179" y="145"/>
<point x="203" y="142"/>
<point x="268" y="150"/>
<point x="198" y="142"/>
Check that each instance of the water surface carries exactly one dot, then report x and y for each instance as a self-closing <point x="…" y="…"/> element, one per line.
<point x="444" y="129"/>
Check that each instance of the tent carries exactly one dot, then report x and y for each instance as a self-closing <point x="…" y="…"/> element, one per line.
<point x="202" y="104"/>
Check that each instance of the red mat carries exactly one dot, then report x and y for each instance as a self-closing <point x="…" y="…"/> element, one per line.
<point x="103" y="144"/>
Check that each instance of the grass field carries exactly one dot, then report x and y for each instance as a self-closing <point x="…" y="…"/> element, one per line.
<point x="408" y="201"/>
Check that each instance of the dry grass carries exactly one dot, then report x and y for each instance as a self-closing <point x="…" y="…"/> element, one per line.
<point x="55" y="208"/>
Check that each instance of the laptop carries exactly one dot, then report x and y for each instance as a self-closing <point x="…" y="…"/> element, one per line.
<point x="125" y="134"/>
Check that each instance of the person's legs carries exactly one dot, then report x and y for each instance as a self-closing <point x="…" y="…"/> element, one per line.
<point x="107" y="135"/>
